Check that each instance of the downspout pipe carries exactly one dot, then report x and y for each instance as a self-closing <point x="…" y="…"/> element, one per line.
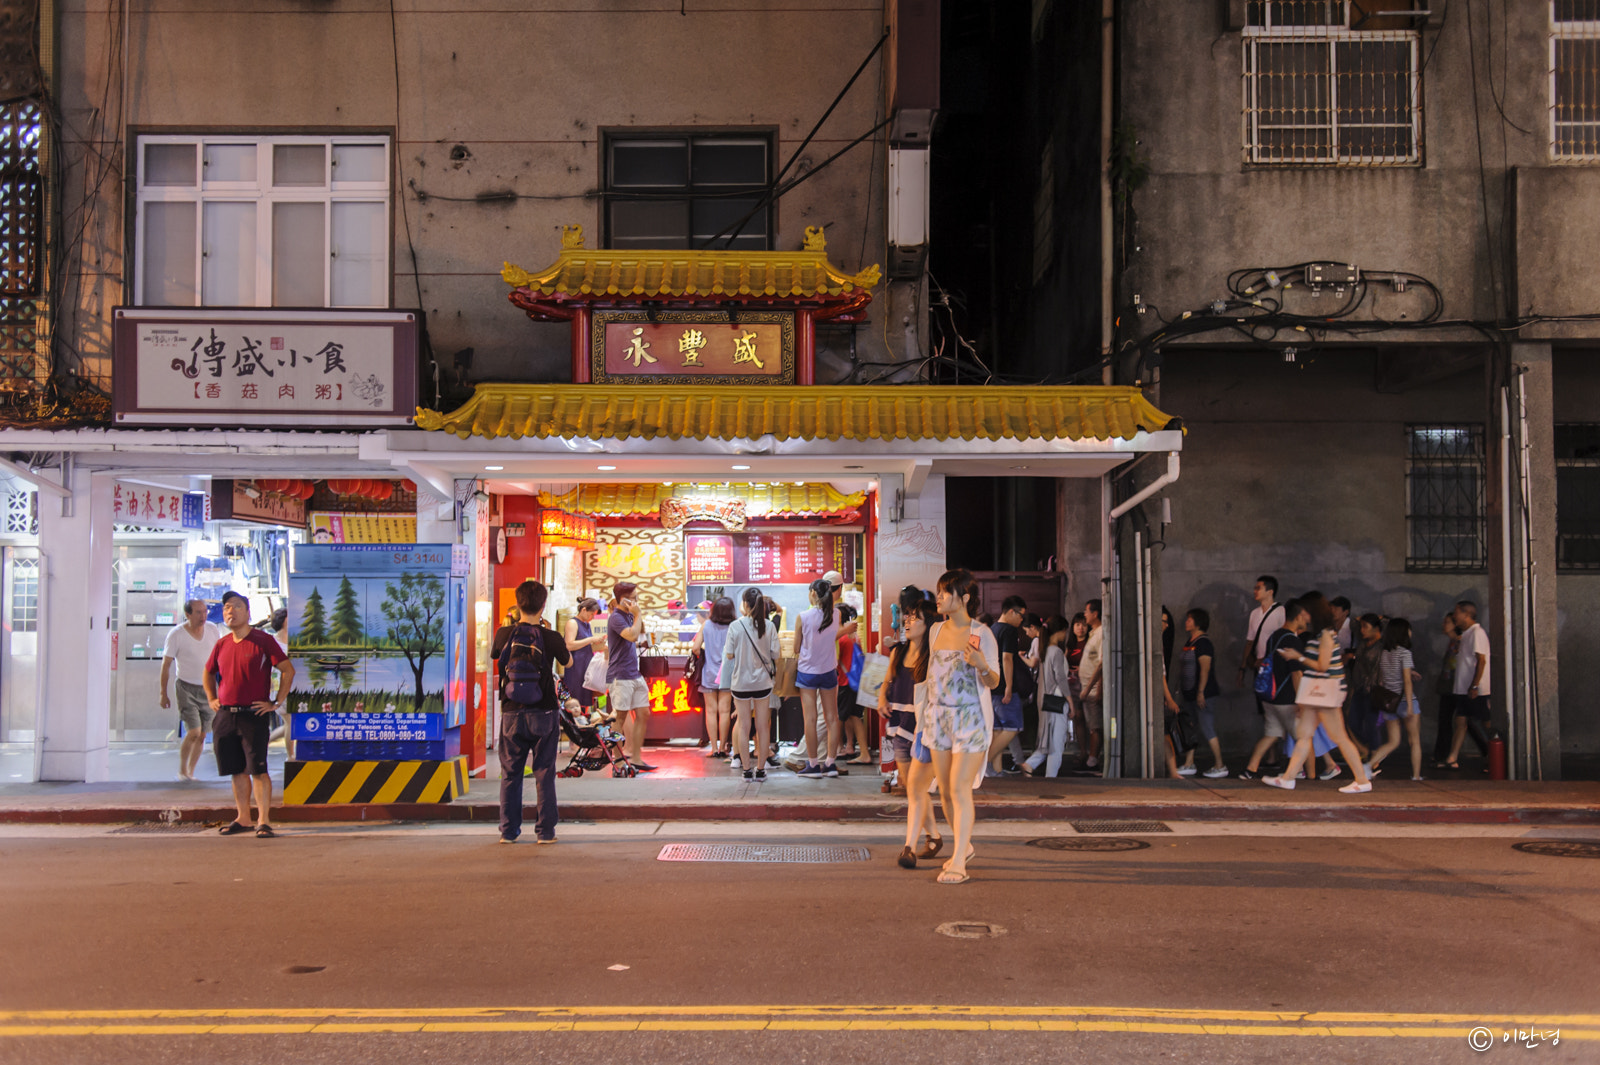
<point x="1170" y="477"/>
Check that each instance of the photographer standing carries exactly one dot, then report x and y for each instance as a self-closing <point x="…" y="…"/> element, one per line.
<point x="238" y="683"/>
<point x="528" y="721"/>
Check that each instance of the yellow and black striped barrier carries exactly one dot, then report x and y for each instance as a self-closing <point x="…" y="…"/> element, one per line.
<point x="326" y="783"/>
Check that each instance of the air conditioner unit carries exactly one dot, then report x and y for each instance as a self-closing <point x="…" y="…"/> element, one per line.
<point x="908" y="211"/>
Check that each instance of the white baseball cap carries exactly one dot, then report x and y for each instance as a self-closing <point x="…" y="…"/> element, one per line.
<point x="833" y="577"/>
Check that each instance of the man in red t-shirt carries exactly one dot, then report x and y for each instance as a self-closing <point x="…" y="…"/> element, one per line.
<point x="238" y="683"/>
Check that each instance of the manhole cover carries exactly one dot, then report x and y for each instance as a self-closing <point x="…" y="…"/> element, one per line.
<point x="1088" y="843"/>
<point x="750" y="852"/>
<point x="970" y="930"/>
<point x="160" y="827"/>
<point x="1560" y="848"/>
<point x="1113" y="827"/>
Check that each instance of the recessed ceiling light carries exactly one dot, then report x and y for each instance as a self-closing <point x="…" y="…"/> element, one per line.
<point x="799" y="484"/>
<point x="494" y="467"/>
<point x="741" y="467"/>
<point x="872" y="486"/>
<point x="1019" y="467"/>
<point x="667" y="484"/>
<point x="855" y="467"/>
<point x="607" y="467"/>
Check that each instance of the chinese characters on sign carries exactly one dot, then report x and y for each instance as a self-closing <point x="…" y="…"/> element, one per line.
<point x="156" y="508"/>
<point x="710" y="559"/>
<point x="769" y="558"/>
<point x="691" y="348"/>
<point x="271" y="367"/>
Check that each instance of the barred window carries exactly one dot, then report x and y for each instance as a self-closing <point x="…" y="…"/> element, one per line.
<point x="24" y="595"/>
<point x="666" y="191"/>
<point x="1575" y="79"/>
<point x="1578" y="497"/>
<point x="1333" y="83"/>
<point x="1445" y="499"/>
<point x="231" y="221"/>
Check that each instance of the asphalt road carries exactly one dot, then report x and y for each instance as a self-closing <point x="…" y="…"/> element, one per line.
<point x="401" y="943"/>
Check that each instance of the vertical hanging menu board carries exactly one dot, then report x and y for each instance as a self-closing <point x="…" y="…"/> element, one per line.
<point x="769" y="558"/>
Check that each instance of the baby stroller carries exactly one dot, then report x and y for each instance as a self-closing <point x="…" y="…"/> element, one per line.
<point x="598" y="746"/>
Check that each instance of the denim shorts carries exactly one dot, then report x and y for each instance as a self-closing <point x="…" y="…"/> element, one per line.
<point x="909" y="750"/>
<point x="817" y="681"/>
<point x="1008" y="714"/>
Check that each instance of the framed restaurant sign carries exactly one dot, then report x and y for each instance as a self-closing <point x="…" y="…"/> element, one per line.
<point x="216" y="367"/>
<point x="692" y="347"/>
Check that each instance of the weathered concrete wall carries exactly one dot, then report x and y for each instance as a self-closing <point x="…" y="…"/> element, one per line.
<point x="525" y="89"/>
<point x="1299" y="471"/>
<point x="1577" y="399"/>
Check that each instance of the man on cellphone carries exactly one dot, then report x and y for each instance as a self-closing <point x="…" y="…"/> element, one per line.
<point x="238" y="683"/>
<point x="627" y="696"/>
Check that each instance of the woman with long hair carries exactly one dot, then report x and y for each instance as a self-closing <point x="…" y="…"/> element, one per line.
<point x="749" y="666"/>
<point x="958" y="721"/>
<point x="1053" y="716"/>
<point x="1395" y="678"/>
<point x="899" y="700"/>
<point x="816" y="675"/>
<point x="1077" y="636"/>
<point x="1326" y="664"/>
<point x="713" y="639"/>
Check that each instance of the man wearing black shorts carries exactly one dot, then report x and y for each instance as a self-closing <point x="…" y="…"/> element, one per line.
<point x="238" y="683"/>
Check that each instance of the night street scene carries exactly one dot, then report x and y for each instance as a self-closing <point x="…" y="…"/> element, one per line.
<point x="816" y="531"/>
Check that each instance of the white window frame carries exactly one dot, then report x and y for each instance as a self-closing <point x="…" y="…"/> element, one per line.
<point x="262" y="193"/>
<point x="1334" y="36"/>
<point x="1568" y="30"/>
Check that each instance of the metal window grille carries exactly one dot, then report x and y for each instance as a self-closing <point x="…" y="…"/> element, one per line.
<point x="666" y="191"/>
<point x="1446" y="527"/>
<point x="21" y="513"/>
<point x="1578" y="497"/>
<point x="24" y="595"/>
<point x="21" y="200"/>
<point x="1320" y="91"/>
<point x="1575" y="79"/>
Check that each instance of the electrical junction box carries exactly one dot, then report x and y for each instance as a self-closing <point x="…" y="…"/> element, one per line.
<point x="1332" y="274"/>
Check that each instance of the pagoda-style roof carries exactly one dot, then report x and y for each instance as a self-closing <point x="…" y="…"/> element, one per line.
<point x="588" y="276"/>
<point x="817" y="412"/>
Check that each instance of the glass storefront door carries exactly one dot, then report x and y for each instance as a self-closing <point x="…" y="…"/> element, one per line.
<point x="19" y="663"/>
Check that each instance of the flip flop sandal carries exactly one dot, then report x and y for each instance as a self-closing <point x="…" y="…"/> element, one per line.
<point x="947" y="877"/>
<point x="233" y="830"/>
<point x="265" y="832"/>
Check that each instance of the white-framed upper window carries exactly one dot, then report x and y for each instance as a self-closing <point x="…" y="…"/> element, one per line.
<point x="1575" y="80"/>
<point x="281" y="221"/>
<point x="1332" y="83"/>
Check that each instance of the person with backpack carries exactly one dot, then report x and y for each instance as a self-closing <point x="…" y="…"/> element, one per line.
<point x="1274" y="681"/>
<point x="529" y="727"/>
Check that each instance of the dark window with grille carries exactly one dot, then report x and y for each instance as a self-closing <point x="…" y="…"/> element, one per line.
<point x="21" y="237"/>
<point x="1574" y="87"/>
<point x="1445" y="502"/>
<point x="697" y="191"/>
<point x="1578" y="497"/>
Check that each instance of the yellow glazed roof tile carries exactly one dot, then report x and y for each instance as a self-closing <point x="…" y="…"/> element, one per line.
<point x="826" y="412"/>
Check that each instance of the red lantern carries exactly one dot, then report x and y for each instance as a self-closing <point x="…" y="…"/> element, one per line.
<point x="385" y="490"/>
<point x="409" y="485"/>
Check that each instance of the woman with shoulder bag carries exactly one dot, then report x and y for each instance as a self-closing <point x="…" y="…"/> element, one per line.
<point x="900" y="700"/>
<point x="1395" y="698"/>
<point x="749" y="667"/>
<point x="1055" y="700"/>
<point x="1319" y="699"/>
<point x="711" y="642"/>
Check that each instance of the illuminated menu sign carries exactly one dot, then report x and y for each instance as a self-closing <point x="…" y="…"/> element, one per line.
<point x="769" y="558"/>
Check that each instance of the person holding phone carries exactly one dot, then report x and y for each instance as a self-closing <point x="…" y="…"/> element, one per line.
<point x="627" y="696"/>
<point x="958" y="722"/>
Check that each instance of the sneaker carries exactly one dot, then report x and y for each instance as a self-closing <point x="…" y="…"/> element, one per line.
<point x="1010" y="771"/>
<point x="812" y="772"/>
<point x="508" y="839"/>
<point x="1373" y="771"/>
<point x="1278" y="782"/>
<point x="544" y="841"/>
<point x="1331" y="772"/>
<point x="1245" y="774"/>
<point x="735" y="762"/>
<point x="1216" y="772"/>
<point x="1188" y="771"/>
<point x="772" y="760"/>
<point x="761" y="776"/>
<point x="832" y="769"/>
<point x="1091" y="762"/>
<point x="1356" y="788"/>
<point x="749" y="774"/>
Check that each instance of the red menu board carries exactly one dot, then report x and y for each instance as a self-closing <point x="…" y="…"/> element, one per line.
<point x="769" y="558"/>
<point x="711" y="559"/>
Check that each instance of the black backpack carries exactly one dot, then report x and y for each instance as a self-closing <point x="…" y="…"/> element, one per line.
<point x="519" y="667"/>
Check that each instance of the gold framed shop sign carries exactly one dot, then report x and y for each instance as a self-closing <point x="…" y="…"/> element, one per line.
<point x="692" y="347"/>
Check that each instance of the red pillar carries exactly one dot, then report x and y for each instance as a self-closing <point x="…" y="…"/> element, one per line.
<point x="580" y="346"/>
<point x="805" y="348"/>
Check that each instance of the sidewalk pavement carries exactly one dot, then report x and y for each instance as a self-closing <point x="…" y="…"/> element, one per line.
<point x="689" y="787"/>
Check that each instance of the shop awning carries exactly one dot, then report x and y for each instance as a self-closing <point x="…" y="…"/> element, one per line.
<point x="817" y="412"/>
<point x="761" y="500"/>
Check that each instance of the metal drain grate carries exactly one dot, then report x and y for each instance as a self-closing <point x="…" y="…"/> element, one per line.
<point x="751" y="852"/>
<point x="1560" y="848"/>
<point x="1114" y="827"/>
<point x="971" y="930"/>
<point x="1088" y="843"/>
<point x="156" y="828"/>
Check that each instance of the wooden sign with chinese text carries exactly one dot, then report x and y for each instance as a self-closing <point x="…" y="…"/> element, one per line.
<point x="682" y="347"/>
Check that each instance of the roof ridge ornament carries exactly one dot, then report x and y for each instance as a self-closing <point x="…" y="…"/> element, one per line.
<point x="572" y="235"/>
<point x="816" y="239"/>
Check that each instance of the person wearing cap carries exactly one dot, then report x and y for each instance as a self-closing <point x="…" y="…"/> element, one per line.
<point x="238" y="683"/>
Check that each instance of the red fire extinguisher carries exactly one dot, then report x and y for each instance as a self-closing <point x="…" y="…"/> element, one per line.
<point x="1497" y="757"/>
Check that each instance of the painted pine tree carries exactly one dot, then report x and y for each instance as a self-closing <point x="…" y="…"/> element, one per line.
<point x="346" y="627"/>
<point x="313" y="622"/>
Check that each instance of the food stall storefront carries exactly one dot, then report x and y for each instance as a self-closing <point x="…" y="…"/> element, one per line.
<point x="667" y="419"/>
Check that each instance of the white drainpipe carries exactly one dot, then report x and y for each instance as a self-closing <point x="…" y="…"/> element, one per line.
<point x="1148" y="490"/>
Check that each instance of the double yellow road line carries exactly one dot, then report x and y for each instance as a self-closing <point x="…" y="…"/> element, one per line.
<point x="491" y="1021"/>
